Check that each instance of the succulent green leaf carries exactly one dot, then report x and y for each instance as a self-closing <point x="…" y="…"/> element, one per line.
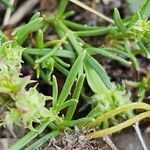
<point x="118" y="21"/>
<point x="95" y="82"/>
<point x="145" y="10"/>
<point x="100" y="71"/>
<point x="71" y="77"/>
<point x="21" y="33"/>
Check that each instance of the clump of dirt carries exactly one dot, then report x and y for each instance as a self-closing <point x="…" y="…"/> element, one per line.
<point x="75" y="141"/>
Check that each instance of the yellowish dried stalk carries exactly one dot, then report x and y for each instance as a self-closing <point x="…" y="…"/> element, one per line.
<point x="118" y="127"/>
<point x="80" y="4"/>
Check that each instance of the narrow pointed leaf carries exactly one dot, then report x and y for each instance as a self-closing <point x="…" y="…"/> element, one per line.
<point x="71" y="77"/>
<point x="145" y="10"/>
<point x="118" y="21"/>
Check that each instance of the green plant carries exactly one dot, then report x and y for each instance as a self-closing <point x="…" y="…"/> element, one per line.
<point x="5" y="2"/>
<point x="111" y="104"/>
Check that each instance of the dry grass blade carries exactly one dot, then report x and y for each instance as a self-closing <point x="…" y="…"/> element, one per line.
<point x="8" y="13"/>
<point x="139" y="134"/>
<point x="80" y="4"/>
<point x="22" y="11"/>
<point x="110" y="143"/>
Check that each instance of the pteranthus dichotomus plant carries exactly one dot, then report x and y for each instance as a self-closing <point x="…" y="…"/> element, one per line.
<point x="19" y="106"/>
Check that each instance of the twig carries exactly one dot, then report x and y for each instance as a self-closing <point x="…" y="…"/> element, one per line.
<point x="138" y="132"/>
<point x="8" y="13"/>
<point x="110" y="143"/>
<point x="23" y="10"/>
<point x="12" y="132"/>
<point x="80" y="4"/>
